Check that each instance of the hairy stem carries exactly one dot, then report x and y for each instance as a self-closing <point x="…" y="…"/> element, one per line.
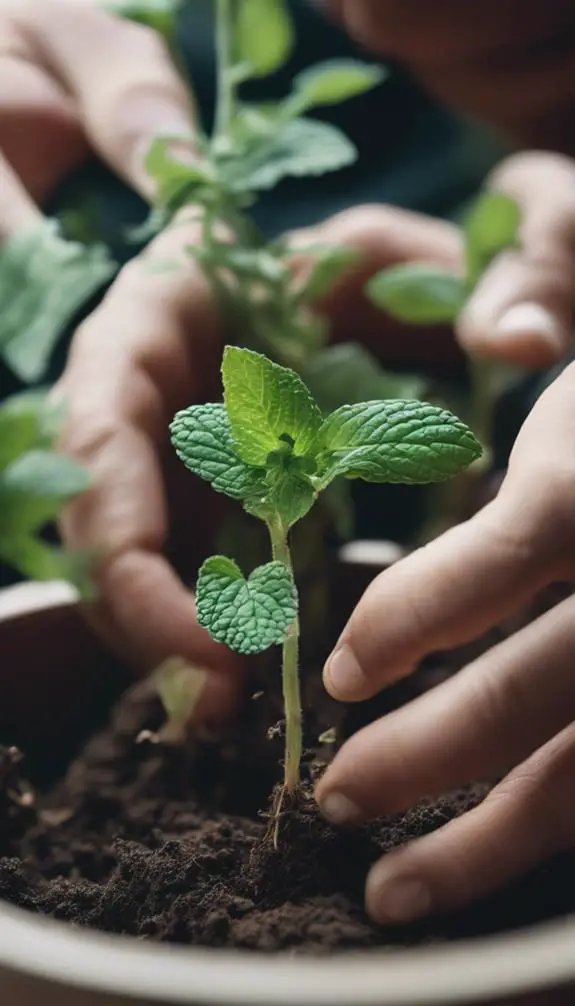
<point x="290" y="672"/>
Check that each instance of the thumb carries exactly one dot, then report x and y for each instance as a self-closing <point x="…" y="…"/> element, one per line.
<point x="522" y="309"/>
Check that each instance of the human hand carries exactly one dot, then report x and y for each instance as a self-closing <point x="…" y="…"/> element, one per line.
<point x="514" y="707"/>
<point x="75" y="78"/>
<point x="513" y="67"/>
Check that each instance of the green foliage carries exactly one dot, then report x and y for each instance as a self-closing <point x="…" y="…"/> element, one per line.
<point x="266" y="403"/>
<point x="397" y="441"/>
<point x="418" y="294"/>
<point x="44" y="281"/>
<point x="35" y="483"/>
<point x="202" y="438"/>
<point x="335" y="81"/>
<point x="249" y="615"/>
<point x="264" y="35"/>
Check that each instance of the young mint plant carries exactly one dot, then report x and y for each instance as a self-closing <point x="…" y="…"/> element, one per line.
<point x="422" y="294"/>
<point x="269" y="446"/>
<point x="35" y="483"/>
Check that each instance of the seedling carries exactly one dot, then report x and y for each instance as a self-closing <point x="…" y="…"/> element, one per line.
<point x="269" y="447"/>
<point x="422" y="294"/>
<point x="35" y="483"/>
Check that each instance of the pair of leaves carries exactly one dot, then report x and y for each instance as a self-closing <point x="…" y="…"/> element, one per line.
<point x="35" y="482"/>
<point x="422" y="294"/>
<point x="44" y="282"/>
<point x="270" y="414"/>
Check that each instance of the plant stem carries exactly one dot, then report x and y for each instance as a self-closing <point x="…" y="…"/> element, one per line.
<point x="226" y="83"/>
<point x="290" y="672"/>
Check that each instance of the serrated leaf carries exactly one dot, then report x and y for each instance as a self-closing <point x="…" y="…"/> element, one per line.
<point x="418" y="294"/>
<point x="491" y="227"/>
<point x="34" y="487"/>
<point x="298" y="148"/>
<point x="397" y="442"/>
<point x="202" y="439"/>
<point x="347" y="374"/>
<point x="334" y="81"/>
<point x="158" y="14"/>
<point x="264" y="35"/>
<point x="44" y="282"/>
<point x="266" y="403"/>
<point x="249" y="615"/>
<point x="175" y="180"/>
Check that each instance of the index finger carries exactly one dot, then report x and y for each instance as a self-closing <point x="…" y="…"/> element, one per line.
<point x="440" y="596"/>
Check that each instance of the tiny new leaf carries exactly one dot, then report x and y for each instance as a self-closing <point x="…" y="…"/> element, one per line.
<point x="418" y="293"/>
<point x="202" y="438"/>
<point x="335" y="81"/>
<point x="266" y="405"/>
<point x="264" y="35"/>
<point x="44" y="281"/>
<point x="249" y="615"/>
<point x="397" y="442"/>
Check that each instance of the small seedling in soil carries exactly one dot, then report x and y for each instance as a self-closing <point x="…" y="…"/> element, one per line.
<point x="269" y="447"/>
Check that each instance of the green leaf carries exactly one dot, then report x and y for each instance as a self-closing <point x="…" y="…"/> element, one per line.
<point x="158" y="14"/>
<point x="266" y="403"/>
<point x="250" y="615"/>
<point x="202" y="438"/>
<point x="34" y="487"/>
<point x="491" y="227"/>
<point x="334" y="81"/>
<point x="418" y="294"/>
<point x="396" y="441"/>
<point x="264" y="35"/>
<point x="175" y="180"/>
<point x="347" y="374"/>
<point x="299" y="148"/>
<point x="44" y="281"/>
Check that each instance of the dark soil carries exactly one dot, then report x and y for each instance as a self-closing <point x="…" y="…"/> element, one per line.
<point x="169" y="844"/>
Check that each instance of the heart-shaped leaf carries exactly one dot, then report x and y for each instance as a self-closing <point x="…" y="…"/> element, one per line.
<point x="249" y="615"/>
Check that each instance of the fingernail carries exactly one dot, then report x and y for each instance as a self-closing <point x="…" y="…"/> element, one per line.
<point x="343" y="675"/>
<point x="528" y="320"/>
<point x="337" y="808"/>
<point x="398" y="901"/>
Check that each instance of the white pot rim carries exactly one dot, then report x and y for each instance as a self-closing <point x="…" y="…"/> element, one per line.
<point x="529" y="960"/>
